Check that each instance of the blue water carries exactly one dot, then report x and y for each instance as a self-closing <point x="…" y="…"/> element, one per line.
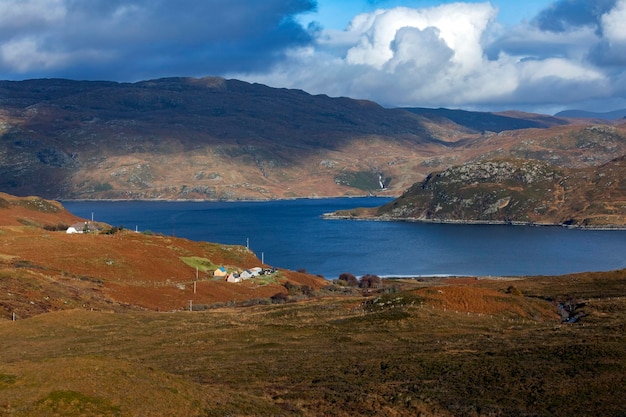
<point x="291" y="234"/>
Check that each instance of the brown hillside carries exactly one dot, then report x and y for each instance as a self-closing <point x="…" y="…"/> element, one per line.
<point x="16" y="211"/>
<point x="45" y="270"/>
<point x="477" y="300"/>
<point x="218" y="139"/>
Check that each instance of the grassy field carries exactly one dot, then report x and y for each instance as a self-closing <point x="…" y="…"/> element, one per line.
<point x="431" y="348"/>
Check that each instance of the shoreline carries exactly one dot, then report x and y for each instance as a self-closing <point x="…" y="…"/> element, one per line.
<point x="456" y="276"/>
<point x="333" y="216"/>
<point x="198" y="200"/>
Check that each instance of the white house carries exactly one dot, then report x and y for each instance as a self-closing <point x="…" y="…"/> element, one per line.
<point x="82" y="227"/>
<point x="246" y="274"/>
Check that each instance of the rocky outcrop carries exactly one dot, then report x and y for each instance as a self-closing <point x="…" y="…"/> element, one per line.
<point x="513" y="191"/>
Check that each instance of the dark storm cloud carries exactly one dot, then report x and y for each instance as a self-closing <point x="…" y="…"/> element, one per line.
<point x="130" y="40"/>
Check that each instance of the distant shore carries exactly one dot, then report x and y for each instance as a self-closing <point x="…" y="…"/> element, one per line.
<point x="200" y="200"/>
<point x="431" y="277"/>
<point x="334" y="216"/>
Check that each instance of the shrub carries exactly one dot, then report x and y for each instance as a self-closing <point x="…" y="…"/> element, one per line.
<point x="294" y="289"/>
<point x="349" y="279"/>
<point x="60" y="227"/>
<point x="513" y="290"/>
<point x="279" y="298"/>
<point x="369" y="281"/>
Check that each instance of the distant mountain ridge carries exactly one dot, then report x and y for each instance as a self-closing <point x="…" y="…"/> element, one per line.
<point x="218" y="139"/>
<point x="583" y="114"/>
<point x="489" y="122"/>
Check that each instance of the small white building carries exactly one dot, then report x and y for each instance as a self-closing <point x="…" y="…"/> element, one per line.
<point x="233" y="277"/>
<point x="246" y="274"/>
<point x="82" y="227"/>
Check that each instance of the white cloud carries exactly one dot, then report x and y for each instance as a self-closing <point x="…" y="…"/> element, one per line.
<point x="21" y="13"/>
<point x="460" y="26"/>
<point x="453" y="55"/>
<point x="614" y="23"/>
<point x="26" y="53"/>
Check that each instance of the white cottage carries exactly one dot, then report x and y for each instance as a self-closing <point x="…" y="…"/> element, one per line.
<point x="82" y="227"/>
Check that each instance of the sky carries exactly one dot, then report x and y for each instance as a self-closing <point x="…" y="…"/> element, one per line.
<point x="535" y="55"/>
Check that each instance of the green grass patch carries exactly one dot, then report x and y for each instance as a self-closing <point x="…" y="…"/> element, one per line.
<point x="363" y="180"/>
<point x="203" y="264"/>
<point x="268" y="279"/>
<point x="73" y="403"/>
<point x="7" y="379"/>
<point x="102" y="187"/>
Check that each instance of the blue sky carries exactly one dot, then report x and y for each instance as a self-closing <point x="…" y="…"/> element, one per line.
<point x="338" y="14"/>
<point x="542" y="56"/>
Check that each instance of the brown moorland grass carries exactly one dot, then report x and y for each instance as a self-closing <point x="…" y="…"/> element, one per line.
<point x="401" y="352"/>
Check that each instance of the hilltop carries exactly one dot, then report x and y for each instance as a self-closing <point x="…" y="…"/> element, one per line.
<point x="513" y="191"/>
<point x="218" y="139"/>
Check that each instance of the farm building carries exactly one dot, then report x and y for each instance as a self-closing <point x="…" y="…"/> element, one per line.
<point x="220" y="272"/>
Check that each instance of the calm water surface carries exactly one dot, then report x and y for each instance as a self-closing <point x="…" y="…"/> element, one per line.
<point x="291" y="234"/>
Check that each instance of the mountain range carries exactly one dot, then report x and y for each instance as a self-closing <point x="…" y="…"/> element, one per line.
<point x="612" y="115"/>
<point x="218" y="139"/>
